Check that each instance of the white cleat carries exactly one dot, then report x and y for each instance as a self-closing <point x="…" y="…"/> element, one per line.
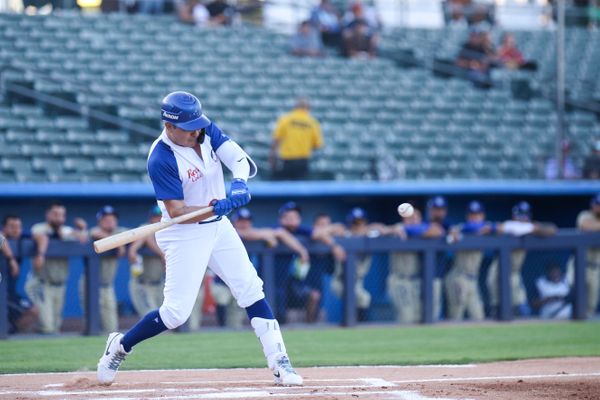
<point x="111" y="359"/>
<point x="284" y="372"/>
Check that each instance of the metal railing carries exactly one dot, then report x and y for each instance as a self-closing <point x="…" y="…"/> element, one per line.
<point x="565" y="240"/>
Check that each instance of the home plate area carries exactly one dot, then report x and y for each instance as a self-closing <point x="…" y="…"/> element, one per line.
<point x="562" y="378"/>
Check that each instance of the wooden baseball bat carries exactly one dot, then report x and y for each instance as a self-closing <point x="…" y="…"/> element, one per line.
<point x="131" y="235"/>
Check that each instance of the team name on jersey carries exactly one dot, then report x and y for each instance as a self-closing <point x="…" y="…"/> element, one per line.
<point x="194" y="174"/>
<point x="171" y="116"/>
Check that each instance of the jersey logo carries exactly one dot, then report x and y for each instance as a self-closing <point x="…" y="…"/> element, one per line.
<point x="194" y="174"/>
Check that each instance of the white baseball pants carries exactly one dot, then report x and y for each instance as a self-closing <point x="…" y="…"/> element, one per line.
<point x="189" y="249"/>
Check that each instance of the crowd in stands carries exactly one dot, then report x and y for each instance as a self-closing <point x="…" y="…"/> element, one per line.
<point x="299" y="274"/>
<point x="353" y="34"/>
<point x="478" y="56"/>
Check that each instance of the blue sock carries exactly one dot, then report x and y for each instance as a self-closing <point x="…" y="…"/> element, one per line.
<point x="147" y="327"/>
<point x="260" y="309"/>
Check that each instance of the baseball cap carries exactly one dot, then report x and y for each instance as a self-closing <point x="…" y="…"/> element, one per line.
<point x="596" y="200"/>
<point x="522" y="209"/>
<point x="242" y="213"/>
<point x="356" y="214"/>
<point x="106" y="210"/>
<point x="290" y="205"/>
<point x="475" y="207"/>
<point x="155" y="211"/>
<point x="437" y="202"/>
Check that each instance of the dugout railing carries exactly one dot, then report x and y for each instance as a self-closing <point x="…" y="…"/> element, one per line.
<point x="568" y="240"/>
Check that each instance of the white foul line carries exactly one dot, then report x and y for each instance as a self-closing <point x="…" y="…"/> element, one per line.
<point x="504" y="377"/>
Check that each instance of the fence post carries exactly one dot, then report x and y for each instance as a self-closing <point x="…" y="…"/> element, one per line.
<point x="268" y="276"/>
<point x="504" y="271"/>
<point x="580" y="300"/>
<point x="92" y="290"/>
<point x="3" y="297"/>
<point x="349" y="296"/>
<point x="429" y="260"/>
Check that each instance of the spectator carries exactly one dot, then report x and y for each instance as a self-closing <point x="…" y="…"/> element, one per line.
<point x="589" y="221"/>
<point x="437" y="213"/>
<point x="228" y="312"/>
<point x="147" y="272"/>
<point x="306" y="42"/>
<point x="326" y="19"/>
<point x="569" y="170"/>
<point x="591" y="166"/>
<point x="192" y="12"/>
<point x="46" y="284"/>
<point x="358" y="225"/>
<point x="404" y="279"/>
<point x="304" y="292"/>
<point x="511" y="57"/>
<point x="553" y="294"/>
<point x="220" y="12"/>
<point x="359" y="12"/>
<point x="151" y="6"/>
<point x="22" y="314"/>
<point x="462" y="282"/>
<point x="107" y="224"/>
<point x="520" y="225"/>
<point x="295" y="137"/>
<point x="476" y="58"/>
<point x="359" y="41"/>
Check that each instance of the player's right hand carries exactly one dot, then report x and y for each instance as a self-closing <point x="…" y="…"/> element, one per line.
<point x="221" y="207"/>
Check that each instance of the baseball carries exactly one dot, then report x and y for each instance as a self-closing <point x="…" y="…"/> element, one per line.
<point x="405" y="210"/>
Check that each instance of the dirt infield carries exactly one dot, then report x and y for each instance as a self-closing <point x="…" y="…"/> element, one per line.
<point x="561" y="378"/>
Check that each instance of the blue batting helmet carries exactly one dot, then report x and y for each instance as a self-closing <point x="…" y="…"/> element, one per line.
<point x="475" y="207"/>
<point x="183" y="110"/>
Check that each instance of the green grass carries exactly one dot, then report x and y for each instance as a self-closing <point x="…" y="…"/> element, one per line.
<point x="309" y="347"/>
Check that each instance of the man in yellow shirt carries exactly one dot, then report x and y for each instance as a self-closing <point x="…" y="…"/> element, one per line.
<point x="295" y="137"/>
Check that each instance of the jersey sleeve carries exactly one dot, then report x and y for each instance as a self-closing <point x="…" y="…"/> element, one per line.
<point x="164" y="174"/>
<point x="216" y="135"/>
<point x="39" y="229"/>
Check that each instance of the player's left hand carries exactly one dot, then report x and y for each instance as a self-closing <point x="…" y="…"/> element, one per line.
<point x="238" y="193"/>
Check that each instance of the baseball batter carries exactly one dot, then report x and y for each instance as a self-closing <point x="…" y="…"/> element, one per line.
<point x="184" y="166"/>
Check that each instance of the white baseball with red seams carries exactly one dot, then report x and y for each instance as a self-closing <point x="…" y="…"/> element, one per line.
<point x="406" y="210"/>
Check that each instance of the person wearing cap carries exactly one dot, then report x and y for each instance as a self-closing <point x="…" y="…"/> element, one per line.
<point x="404" y="280"/>
<point x="589" y="221"/>
<point x="302" y="287"/>
<point x="437" y="213"/>
<point x="107" y="224"/>
<point x="358" y="224"/>
<point x="147" y="273"/>
<point x="45" y="286"/>
<point x="185" y="166"/>
<point x="296" y="135"/>
<point x="591" y="165"/>
<point x="519" y="225"/>
<point x="228" y="312"/>
<point x="462" y="282"/>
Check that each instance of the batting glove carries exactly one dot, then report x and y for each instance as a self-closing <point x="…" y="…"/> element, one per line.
<point x="221" y="207"/>
<point x="238" y="193"/>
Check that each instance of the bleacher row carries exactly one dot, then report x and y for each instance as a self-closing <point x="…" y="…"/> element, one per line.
<point x="124" y="65"/>
<point x="582" y="53"/>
